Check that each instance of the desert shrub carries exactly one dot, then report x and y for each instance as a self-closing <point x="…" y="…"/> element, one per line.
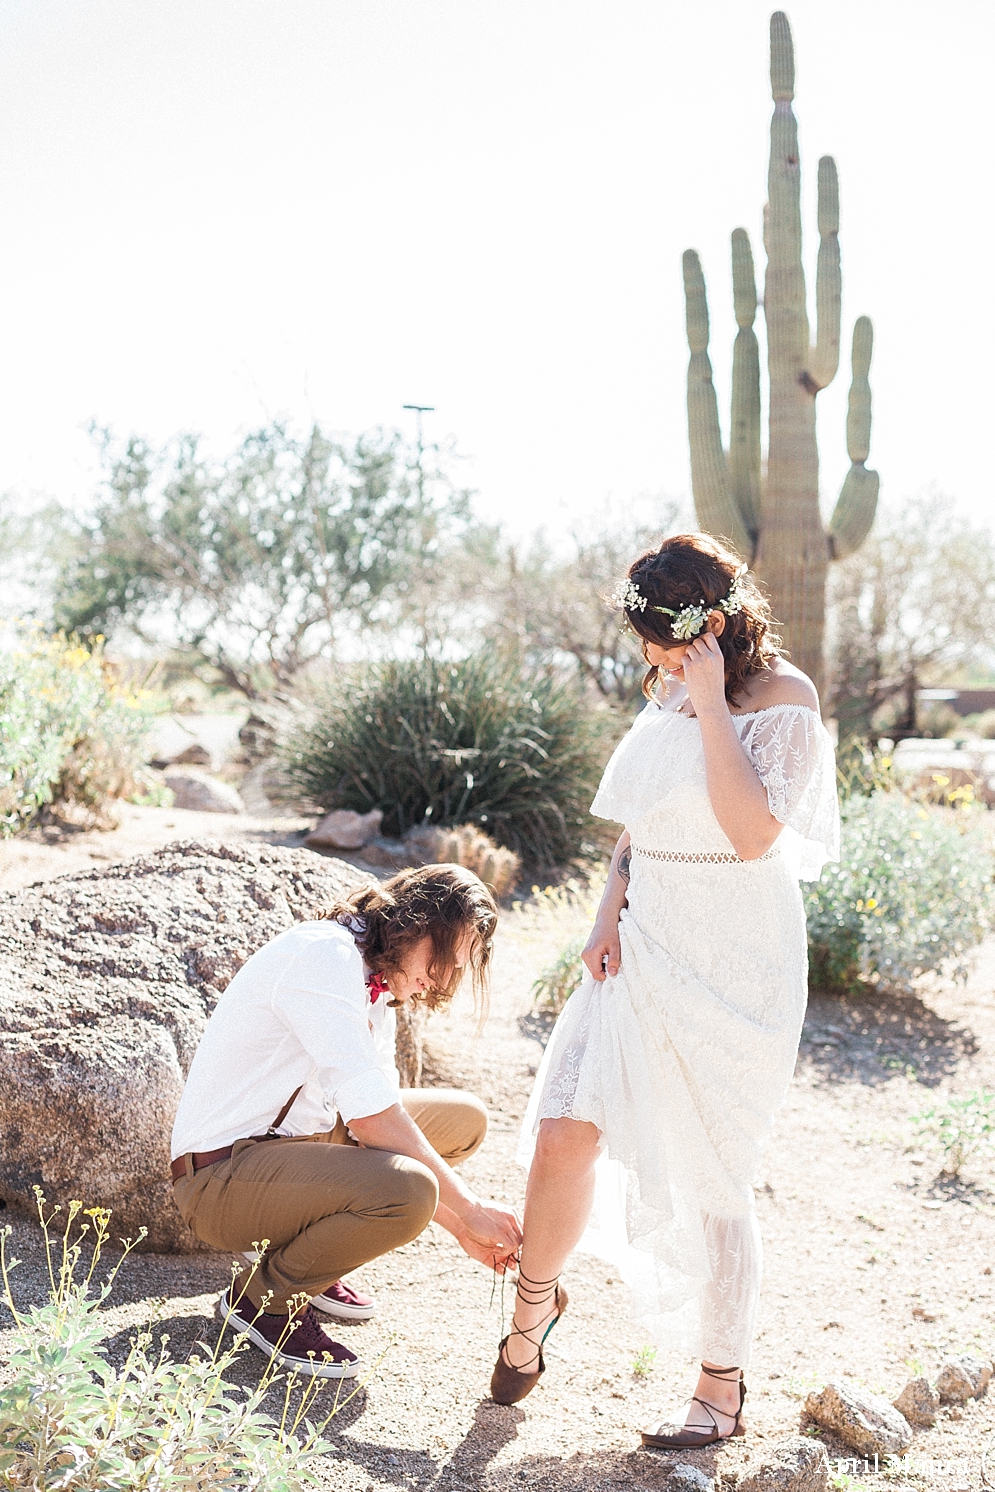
<point x="71" y="731"/>
<point x="557" y="982"/>
<point x="70" y="1419"/>
<point x="960" y="1128"/>
<point x="491" y="740"/>
<point x="982" y="724"/>
<point x="467" y="845"/>
<point x="912" y="894"/>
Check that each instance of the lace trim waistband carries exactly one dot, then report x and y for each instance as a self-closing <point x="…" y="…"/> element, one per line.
<point x="703" y="857"/>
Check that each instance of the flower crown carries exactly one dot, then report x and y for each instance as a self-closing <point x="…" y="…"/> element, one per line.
<point x="689" y="621"/>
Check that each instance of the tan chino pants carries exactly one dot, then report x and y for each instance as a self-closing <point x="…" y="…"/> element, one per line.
<point x="325" y="1204"/>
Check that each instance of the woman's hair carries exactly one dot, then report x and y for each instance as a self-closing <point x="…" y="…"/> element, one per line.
<point x="692" y="568"/>
<point x="441" y="902"/>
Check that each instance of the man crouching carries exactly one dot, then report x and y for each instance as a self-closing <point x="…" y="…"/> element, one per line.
<point x="293" y="1127"/>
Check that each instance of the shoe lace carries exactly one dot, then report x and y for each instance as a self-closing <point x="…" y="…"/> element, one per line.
<point x="308" y="1335"/>
<point x="534" y="1293"/>
<point x="721" y="1375"/>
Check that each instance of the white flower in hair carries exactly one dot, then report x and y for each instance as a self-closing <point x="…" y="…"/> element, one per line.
<point x="626" y="597"/>
<point x="735" y="601"/>
<point x="687" y="623"/>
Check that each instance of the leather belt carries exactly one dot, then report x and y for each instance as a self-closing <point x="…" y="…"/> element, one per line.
<point x="202" y="1158"/>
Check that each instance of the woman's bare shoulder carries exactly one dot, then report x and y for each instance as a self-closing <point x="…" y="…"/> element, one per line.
<point x="781" y="684"/>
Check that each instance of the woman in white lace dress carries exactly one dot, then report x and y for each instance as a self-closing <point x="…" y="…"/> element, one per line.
<point x="662" y="1076"/>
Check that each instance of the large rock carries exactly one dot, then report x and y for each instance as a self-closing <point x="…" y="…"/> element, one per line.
<point x="794" y="1465"/>
<point x="107" y="979"/>
<point x="201" y="792"/>
<point x="865" y="1421"/>
<point x="963" y="1378"/>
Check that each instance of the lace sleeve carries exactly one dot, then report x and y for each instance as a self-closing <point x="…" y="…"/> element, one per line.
<point x="793" y="755"/>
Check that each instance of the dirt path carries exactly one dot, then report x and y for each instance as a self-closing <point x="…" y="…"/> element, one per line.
<point x="60" y="849"/>
<point x="873" y="1262"/>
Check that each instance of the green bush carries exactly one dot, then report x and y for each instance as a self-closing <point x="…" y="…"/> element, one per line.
<point x="557" y="982"/>
<point x="912" y="894"/>
<point x="960" y="1127"/>
<point x="491" y="740"/>
<point x="70" y="731"/>
<point x="70" y="1419"/>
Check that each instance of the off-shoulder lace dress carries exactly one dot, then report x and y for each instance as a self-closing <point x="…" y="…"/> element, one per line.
<point x="682" y="1060"/>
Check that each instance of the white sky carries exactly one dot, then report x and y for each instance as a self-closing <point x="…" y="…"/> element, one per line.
<point x="213" y="212"/>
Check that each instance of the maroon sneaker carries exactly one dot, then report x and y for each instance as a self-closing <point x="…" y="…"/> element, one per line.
<point x="343" y="1301"/>
<point x="305" y="1347"/>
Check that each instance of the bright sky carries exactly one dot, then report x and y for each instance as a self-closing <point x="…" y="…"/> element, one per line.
<point x="214" y="212"/>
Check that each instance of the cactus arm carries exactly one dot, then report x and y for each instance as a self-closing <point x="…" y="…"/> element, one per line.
<point x="784" y="292"/>
<point x="854" y="513"/>
<point x="825" y="355"/>
<point x="744" y="432"/>
<point x="709" y="473"/>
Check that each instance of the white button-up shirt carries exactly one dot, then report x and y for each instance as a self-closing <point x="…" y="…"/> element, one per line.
<point x="297" y="1014"/>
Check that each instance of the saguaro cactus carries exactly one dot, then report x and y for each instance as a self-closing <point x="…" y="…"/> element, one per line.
<point x="774" y="519"/>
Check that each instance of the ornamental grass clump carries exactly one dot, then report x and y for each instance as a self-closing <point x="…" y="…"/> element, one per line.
<point x="912" y="894"/>
<point x="491" y="740"/>
<point x="73" y="734"/>
<point x="70" y="1419"/>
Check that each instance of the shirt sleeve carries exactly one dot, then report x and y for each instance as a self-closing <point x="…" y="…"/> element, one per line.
<point x="322" y="1001"/>
<point x="794" y="758"/>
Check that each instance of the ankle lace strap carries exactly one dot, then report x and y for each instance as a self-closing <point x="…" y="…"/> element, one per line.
<point x="723" y="1374"/>
<point x="535" y="1293"/>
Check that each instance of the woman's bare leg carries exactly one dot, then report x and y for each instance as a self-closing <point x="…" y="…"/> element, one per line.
<point x="557" y="1206"/>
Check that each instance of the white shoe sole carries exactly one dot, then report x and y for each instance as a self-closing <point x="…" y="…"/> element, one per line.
<point x="342" y="1312"/>
<point x="326" y="1304"/>
<point x="307" y="1367"/>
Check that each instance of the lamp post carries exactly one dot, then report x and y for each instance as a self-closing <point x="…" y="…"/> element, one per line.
<point x="419" y="410"/>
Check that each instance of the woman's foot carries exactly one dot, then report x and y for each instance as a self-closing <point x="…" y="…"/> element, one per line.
<point x="538" y="1307"/>
<point x="714" y="1413"/>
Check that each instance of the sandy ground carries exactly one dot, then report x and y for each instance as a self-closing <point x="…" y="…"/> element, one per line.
<point x="875" y="1262"/>
<point x="61" y="849"/>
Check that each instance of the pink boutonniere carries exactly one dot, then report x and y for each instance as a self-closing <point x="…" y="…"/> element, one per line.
<point x="377" y="986"/>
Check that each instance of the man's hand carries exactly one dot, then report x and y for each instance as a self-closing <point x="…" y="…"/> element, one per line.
<point x="491" y="1234"/>
<point x="705" y="675"/>
<point x="487" y="1256"/>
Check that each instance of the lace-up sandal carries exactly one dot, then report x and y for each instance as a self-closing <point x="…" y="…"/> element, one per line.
<point x="667" y="1437"/>
<point x="509" y="1384"/>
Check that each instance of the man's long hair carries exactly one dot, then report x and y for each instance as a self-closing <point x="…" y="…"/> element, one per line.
<point x="446" y="903"/>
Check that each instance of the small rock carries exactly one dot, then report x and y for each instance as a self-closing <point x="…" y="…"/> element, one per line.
<point x="194" y="755"/>
<point x="866" y="1421"/>
<point x="196" y="790"/>
<point x="345" y="830"/>
<point x="687" y="1478"/>
<point x="388" y="854"/>
<point x="918" y="1403"/>
<point x="963" y="1378"/>
<point x="793" y="1465"/>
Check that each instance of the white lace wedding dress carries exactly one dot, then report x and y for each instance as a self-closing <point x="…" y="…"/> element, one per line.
<point x="682" y="1060"/>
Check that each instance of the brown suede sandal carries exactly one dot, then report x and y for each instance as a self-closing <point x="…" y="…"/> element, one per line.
<point x="678" y="1438"/>
<point x="509" y="1384"/>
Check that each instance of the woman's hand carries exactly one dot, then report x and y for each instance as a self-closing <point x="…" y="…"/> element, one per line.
<point x="602" y="952"/>
<point x="705" y="676"/>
